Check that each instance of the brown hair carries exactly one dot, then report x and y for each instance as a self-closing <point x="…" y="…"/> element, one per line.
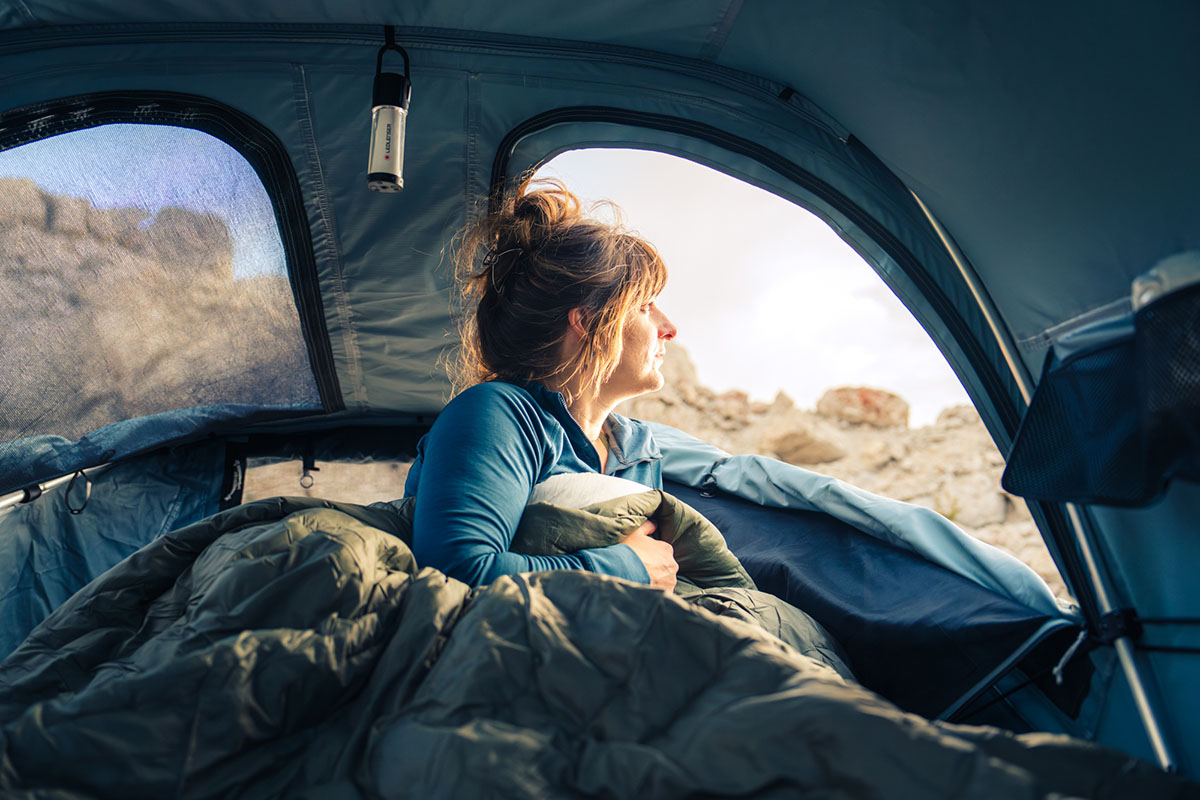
<point x="524" y="266"/>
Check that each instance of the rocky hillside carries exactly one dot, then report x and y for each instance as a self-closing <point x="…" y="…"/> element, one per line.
<point x="109" y="314"/>
<point x="861" y="436"/>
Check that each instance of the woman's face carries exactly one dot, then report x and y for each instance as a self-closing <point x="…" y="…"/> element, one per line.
<point x="644" y="345"/>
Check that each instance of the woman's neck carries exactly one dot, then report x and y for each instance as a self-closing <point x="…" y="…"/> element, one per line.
<point x="590" y="413"/>
<point x="589" y="409"/>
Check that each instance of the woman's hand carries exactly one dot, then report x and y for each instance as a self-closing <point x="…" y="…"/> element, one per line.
<point x="656" y="555"/>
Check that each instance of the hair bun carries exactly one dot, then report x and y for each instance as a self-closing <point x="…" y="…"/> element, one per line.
<point x="539" y="214"/>
<point x="521" y="270"/>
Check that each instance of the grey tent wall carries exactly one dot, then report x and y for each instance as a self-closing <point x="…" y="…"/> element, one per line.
<point x="48" y="551"/>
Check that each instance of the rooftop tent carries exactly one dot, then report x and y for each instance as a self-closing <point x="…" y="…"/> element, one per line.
<point x="1007" y="170"/>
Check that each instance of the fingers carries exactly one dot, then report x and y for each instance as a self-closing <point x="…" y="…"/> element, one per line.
<point x="647" y="528"/>
<point x="656" y="555"/>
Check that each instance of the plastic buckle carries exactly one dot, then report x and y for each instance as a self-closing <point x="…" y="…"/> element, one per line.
<point x="1118" y="624"/>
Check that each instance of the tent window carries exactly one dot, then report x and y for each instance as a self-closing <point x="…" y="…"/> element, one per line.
<point x="141" y="272"/>
<point x="790" y="345"/>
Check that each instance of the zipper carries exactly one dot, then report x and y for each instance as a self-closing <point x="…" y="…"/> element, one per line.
<point x="993" y="383"/>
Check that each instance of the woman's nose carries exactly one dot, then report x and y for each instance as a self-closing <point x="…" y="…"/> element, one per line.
<point x="666" y="328"/>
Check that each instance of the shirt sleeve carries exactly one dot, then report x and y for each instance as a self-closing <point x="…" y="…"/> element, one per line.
<point x="479" y="464"/>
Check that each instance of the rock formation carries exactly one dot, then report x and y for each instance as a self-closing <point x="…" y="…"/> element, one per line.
<point x="862" y="404"/>
<point x="111" y="315"/>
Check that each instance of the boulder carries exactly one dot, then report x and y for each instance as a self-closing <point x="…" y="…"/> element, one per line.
<point x="22" y="203"/>
<point x="879" y="454"/>
<point x="958" y="417"/>
<point x="973" y="500"/>
<point x="863" y="405"/>
<point x="733" y="409"/>
<point x="781" y="404"/>
<point x="182" y="239"/>
<point x="68" y="216"/>
<point x="803" y="447"/>
<point x="119" y="225"/>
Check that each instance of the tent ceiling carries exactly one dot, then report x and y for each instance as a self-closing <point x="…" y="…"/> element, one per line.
<point x="1055" y="143"/>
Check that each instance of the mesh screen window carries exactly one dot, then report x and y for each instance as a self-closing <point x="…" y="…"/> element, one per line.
<point x="141" y="272"/>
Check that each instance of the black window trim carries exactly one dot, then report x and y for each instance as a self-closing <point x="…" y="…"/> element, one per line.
<point x="258" y="145"/>
<point x="1000" y="389"/>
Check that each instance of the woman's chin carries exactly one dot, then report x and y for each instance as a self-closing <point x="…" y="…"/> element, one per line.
<point x="650" y="382"/>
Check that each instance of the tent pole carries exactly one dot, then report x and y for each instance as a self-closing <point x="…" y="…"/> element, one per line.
<point x="1016" y="365"/>
<point x="29" y="494"/>
<point x="1124" y="647"/>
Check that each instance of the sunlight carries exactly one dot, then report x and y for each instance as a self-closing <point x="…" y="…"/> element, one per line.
<point x="765" y="294"/>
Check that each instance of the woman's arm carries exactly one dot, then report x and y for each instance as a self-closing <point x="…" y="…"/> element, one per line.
<point x="479" y="464"/>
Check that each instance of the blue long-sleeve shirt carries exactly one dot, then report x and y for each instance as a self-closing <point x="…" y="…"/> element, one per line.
<point x="478" y="464"/>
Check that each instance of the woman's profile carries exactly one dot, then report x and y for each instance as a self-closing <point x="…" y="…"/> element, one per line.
<point x="559" y="324"/>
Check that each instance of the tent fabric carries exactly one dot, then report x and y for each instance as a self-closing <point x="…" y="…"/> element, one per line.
<point x="774" y="484"/>
<point x="1047" y="109"/>
<point x="861" y="589"/>
<point x="47" y="553"/>
<point x="34" y="459"/>
<point x="404" y="311"/>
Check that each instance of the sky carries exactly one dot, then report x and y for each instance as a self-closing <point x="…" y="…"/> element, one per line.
<point x="155" y="166"/>
<point x="766" y="296"/>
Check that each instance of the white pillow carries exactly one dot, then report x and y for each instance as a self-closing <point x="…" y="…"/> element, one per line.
<point x="579" y="489"/>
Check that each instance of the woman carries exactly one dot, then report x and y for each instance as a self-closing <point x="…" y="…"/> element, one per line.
<point x="561" y="325"/>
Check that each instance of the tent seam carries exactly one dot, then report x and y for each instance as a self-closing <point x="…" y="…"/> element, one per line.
<point x="719" y="32"/>
<point x="24" y="10"/>
<point x="308" y="137"/>
<point x="471" y="173"/>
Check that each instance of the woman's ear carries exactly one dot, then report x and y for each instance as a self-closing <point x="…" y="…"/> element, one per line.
<point x="577" y="319"/>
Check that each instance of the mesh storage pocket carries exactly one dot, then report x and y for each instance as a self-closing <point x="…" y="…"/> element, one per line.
<point x="1113" y="424"/>
<point x="1080" y="438"/>
<point x="1168" y="355"/>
